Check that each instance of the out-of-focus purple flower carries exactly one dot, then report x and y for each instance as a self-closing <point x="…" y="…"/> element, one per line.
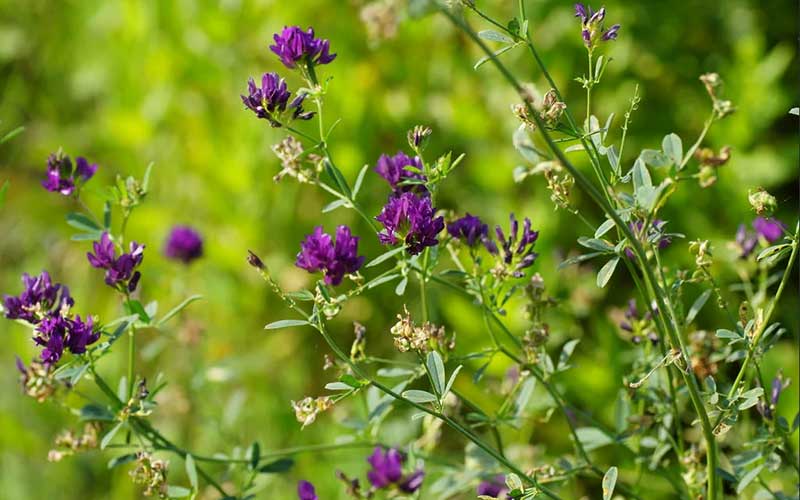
<point x="769" y="229"/>
<point x="394" y="170"/>
<point x="184" y="244"/>
<point x="745" y="241"/>
<point x="592" y="29"/>
<point x="387" y="467"/>
<point x="517" y="249"/>
<point x="294" y="45"/>
<point x="271" y="100"/>
<point x="387" y="470"/>
<point x="638" y="324"/>
<point x="41" y="297"/>
<point x="61" y="175"/>
<point x="305" y="491"/>
<point x="469" y="229"/>
<point x="319" y="252"/>
<point x="410" y="218"/>
<point x="494" y="487"/>
<point x="120" y="271"/>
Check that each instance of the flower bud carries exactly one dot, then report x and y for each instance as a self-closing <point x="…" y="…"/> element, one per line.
<point x="762" y="202"/>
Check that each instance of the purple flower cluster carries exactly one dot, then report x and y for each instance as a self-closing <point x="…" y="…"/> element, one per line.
<point x="387" y="471"/>
<point x="294" y="45"/>
<point x="271" y="100"/>
<point x="517" y="249"/>
<point x="395" y="170"/>
<point x="120" y="271"/>
<point x="46" y="306"/>
<point x="318" y="252"/>
<point x="777" y="387"/>
<point x="40" y="298"/>
<point x="592" y="29"/>
<point x="768" y="229"/>
<point x="305" y="491"/>
<point x="184" y="244"/>
<point x="469" y="229"/>
<point x="495" y="488"/>
<point x="410" y="218"/>
<point x="62" y="177"/>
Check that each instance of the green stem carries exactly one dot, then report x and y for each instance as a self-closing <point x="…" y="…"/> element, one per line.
<point x="770" y="310"/>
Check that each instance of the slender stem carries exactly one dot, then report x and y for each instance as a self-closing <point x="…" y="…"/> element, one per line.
<point x="765" y="322"/>
<point x="601" y="200"/>
<point x="589" y="83"/>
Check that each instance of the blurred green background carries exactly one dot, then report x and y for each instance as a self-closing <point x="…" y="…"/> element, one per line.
<point x="126" y="83"/>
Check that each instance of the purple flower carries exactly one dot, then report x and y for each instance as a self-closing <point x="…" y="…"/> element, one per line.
<point x="387" y="470"/>
<point x="120" y="271"/>
<point x="410" y="218"/>
<point x="769" y="229"/>
<point x="55" y="333"/>
<point x="656" y="233"/>
<point x="271" y="100"/>
<point x="305" y="491"/>
<point x="294" y="45"/>
<point x="745" y="241"/>
<point x="318" y="252"/>
<point x="184" y="244"/>
<point x="61" y="176"/>
<point x="636" y="323"/>
<point x="393" y="169"/>
<point x="494" y="487"/>
<point x="469" y="228"/>
<point x="387" y="467"/>
<point x="517" y="249"/>
<point x="592" y="29"/>
<point x="81" y="334"/>
<point x="40" y="298"/>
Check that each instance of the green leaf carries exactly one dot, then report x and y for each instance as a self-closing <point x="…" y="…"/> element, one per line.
<point x="613" y="159"/>
<point x="303" y="295"/>
<point x="330" y="207"/>
<point x="107" y="216"/>
<point x="566" y="353"/>
<point x="83" y="222"/>
<point x="641" y="176"/>
<point x="580" y="258"/>
<point x="121" y="460"/>
<point x="748" y="478"/>
<point x="524" y="145"/>
<point x="10" y="135"/>
<point x="177" y="309"/>
<point x="136" y="307"/>
<point x="494" y="36"/>
<point x="673" y="148"/>
<point x="655" y="158"/>
<point x="606" y="272"/>
<point x="400" y="289"/>
<point x="609" y="482"/>
<point x="146" y="179"/>
<point x="794" y="111"/>
<point x="255" y="454"/>
<point x="385" y="256"/>
<point x="604" y="228"/>
<point x="436" y="370"/>
<point x="338" y="386"/>
<point x="382" y="280"/>
<point x="178" y="491"/>
<point x="338" y="178"/>
<point x="727" y="334"/>
<point x="420" y="397"/>
<point x="110" y="435"/>
<point x="484" y="59"/>
<point x="277" y="467"/>
<point x="96" y="413"/>
<point x="592" y="438"/>
<point x="359" y="180"/>
<point x="697" y="306"/>
<point x="596" y="244"/>
<point x="524" y="396"/>
<point x="191" y="471"/>
<point x="286" y="323"/>
<point x="452" y="380"/>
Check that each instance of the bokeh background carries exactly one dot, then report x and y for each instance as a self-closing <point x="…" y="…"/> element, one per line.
<point x="126" y="83"/>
